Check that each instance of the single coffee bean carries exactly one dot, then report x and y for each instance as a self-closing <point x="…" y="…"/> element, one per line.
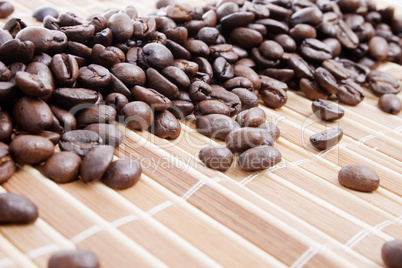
<point x="211" y="107"/>
<point x="153" y="98"/>
<point x="156" y="56"/>
<point x="66" y="119"/>
<point x="17" y="50"/>
<point x="356" y="71"/>
<point x="94" y="76"/>
<point x="247" y="98"/>
<point x="245" y="37"/>
<point x="5" y="73"/>
<point x="80" y="141"/>
<point x="274" y="98"/>
<point x="259" y="158"/>
<point x="216" y="125"/>
<point x="6" y="9"/>
<point x="181" y="108"/>
<point x="238" y="82"/>
<point x="314" y="49"/>
<point x="62" y="167"/>
<point x="100" y="113"/>
<point x="245" y="71"/>
<point x="41" y="12"/>
<point x="272" y="130"/>
<point x="110" y="134"/>
<point x="177" y="77"/>
<point x="300" y="66"/>
<point x="312" y="90"/>
<point x="209" y="35"/>
<point x="302" y="31"/>
<point x="166" y="126"/>
<point x="204" y="66"/>
<point x="222" y="68"/>
<point x="189" y="67"/>
<point x="17" y="209"/>
<point x="129" y="74"/>
<point x="326" y="80"/>
<point x="309" y="15"/>
<point x="391" y="253"/>
<point x="378" y="48"/>
<point x="161" y="84"/>
<point x="345" y="35"/>
<point x="383" y="83"/>
<point x="350" y="92"/>
<point x="65" y="69"/>
<point x="178" y="51"/>
<point x="327" y="110"/>
<point x="70" y="97"/>
<point x="7" y="165"/>
<point x="6" y="126"/>
<point x="200" y="91"/>
<point x="30" y="149"/>
<point x="33" y="85"/>
<point x="336" y="69"/>
<point x="40" y="37"/>
<point x="237" y="19"/>
<point x="138" y="115"/>
<point x="282" y="75"/>
<point x="79" y="258"/>
<point x="390" y="103"/>
<point x="230" y="99"/>
<point x="121" y="26"/>
<point x="287" y="43"/>
<point x="54" y="137"/>
<point x="253" y="117"/>
<point x="96" y="162"/>
<point x="242" y="139"/>
<point x="359" y="177"/>
<point x="178" y="34"/>
<point x="216" y="157"/>
<point x="107" y="56"/>
<point x="327" y="138"/>
<point x="117" y="101"/>
<point x="122" y="174"/>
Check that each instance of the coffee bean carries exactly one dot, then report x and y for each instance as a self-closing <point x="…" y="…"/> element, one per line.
<point x="327" y="110"/>
<point x="7" y="165"/>
<point x="80" y="141"/>
<point x="350" y="92"/>
<point x="247" y="98"/>
<point x="391" y="253"/>
<point x="33" y="85"/>
<point x="245" y="37"/>
<point x="110" y="134"/>
<point x="189" y="67"/>
<point x="153" y="98"/>
<point x="242" y="139"/>
<point x="161" y="84"/>
<point x="383" y="83"/>
<point x="326" y="80"/>
<point x="327" y="138"/>
<point x="156" y="56"/>
<point x="94" y="76"/>
<point x="378" y="48"/>
<point x="70" y="97"/>
<point x="390" y="103"/>
<point x="79" y="258"/>
<point x="121" y="26"/>
<point x="5" y="73"/>
<point x="122" y="174"/>
<point x="100" y="113"/>
<point x="209" y="35"/>
<point x="223" y="69"/>
<point x="216" y="157"/>
<point x="17" y="50"/>
<point x="117" y="101"/>
<point x="245" y="71"/>
<point x="166" y="125"/>
<point x="272" y="130"/>
<point x="177" y="77"/>
<point x="30" y="149"/>
<point x="181" y="108"/>
<point x="302" y="31"/>
<point x="211" y="107"/>
<point x="312" y="90"/>
<point x="356" y="71"/>
<point x="66" y="120"/>
<point x="41" y="12"/>
<point x="282" y="75"/>
<point x="308" y="15"/>
<point x="6" y="126"/>
<point x="138" y="115"/>
<point x="238" y="82"/>
<point x="301" y="68"/>
<point x="16" y="209"/>
<point x="287" y="43"/>
<point x="39" y="36"/>
<point x="95" y="163"/>
<point x="336" y="69"/>
<point x="253" y="117"/>
<point x="314" y="49"/>
<point x="216" y="125"/>
<point x="54" y="137"/>
<point x="6" y="9"/>
<point x="359" y="177"/>
<point x="65" y="69"/>
<point x="62" y="167"/>
<point x="273" y="97"/>
<point x="259" y="158"/>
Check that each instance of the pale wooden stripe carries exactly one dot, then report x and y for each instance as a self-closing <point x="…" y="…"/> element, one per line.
<point x="15" y="256"/>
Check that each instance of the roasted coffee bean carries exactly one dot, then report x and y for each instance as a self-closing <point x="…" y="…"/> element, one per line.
<point x="30" y="149"/>
<point x="138" y="115"/>
<point x="283" y="75"/>
<point x="242" y="139"/>
<point x="346" y="36"/>
<point x="274" y="97"/>
<point x="204" y="66"/>
<point x="33" y="85"/>
<point x="230" y="99"/>
<point x="312" y="90"/>
<point x="199" y="91"/>
<point x="237" y="19"/>
<point x="110" y="134"/>
<point x="189" y="67"/>
<point x="70" y="19"/>
<point x="287" y="43"/>
<point x="247" y="98"/>
<point x="94" y="76"/>
<point x="178" y="34"/>
<point x="336" y="69"/>
<point x="378" y="48"/>
<point x="17" y="209"/>
<point x="62" y="167"/>
<point x="177" y="77"/>
<point x="359" y="177"/>
<point x="80" y="141"/>
<point x="197" y="47"/>
<point x="65" y="69"/>
<point x="8" y="92"/>
<point x="117" y="86"/>
<point x="308" y="15"/>
<point x="6" y="126"/>
<point x="6" y="9"/>
<point x="253" y="117"/>
<point x="16" y="50"/>
<point x="271" y="83"/>
<point x="326" y="80"/>
<point x="79" y="33"/>
<point x="390" y="103"/>
<point x="5" y="73"/>
<point x="181" y="108"/>
<point x="208" y="35"/>
<point x="107" y="56"/>
<point x="7" y="165"/>
<point x="50" y="135"/>
<point x="356" y="71"/>
<point x="156" y="56"/>
<point x="225" y="9"/>
<point x="327" y="110"/>
<point x="350" y="92"/>
<point x="122" y="174"/>
<point x="314" y="49"/>
<point x="100" y="113"/>
<point x="178" y="51"/>
<point x="211" y="107"/>
<point x="238" y="82"/>
<point x="79" y="258"/>
<point x="179" y="12"/>
<point x="41" y="12"/>
<point x="391" y="253"/>
<point x="245" y="71"/>
<point x="161" y="84"/>
<point x="43" y="58"/>
<point x="66" y="119"/>
<point x="383" y="83"/>
<point x="271" y="129"/>
<point x="95" y="163"/>
<point x="259" y="158"/>
<point x="216" y="125"/>
<point x="14" y="25"/>
<point x="166" y="126"/>
<point x="216" y="157"/>
<point x="60" y="43"/>
<point x="222" y="68"/>
<point x="334" y="45"/>
<point x="153" y="98"/>
<point x="145" y="28"/>
<point x="245" y="37"/>
<point x="70" y="97"/>
<point x="39" y="36"/>
<point x="78" y="49"/>
<point x="121" y="26"/>
<point x="327" y="138"/>
<point x="117" y="101"/>
<point x="271" y="49"/>
<point x="102" y="38"/>
<point x="4" y="36"/>
<point x="302" y="31"/>
<point x="301" y="68"/>
<point x="32" y="114"/>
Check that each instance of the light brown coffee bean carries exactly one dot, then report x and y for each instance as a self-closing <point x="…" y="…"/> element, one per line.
<point x="62" y="167"/>
<point x="16" y="209"/>
<point x="359" y="177"/>
<point x="216" y="157"/>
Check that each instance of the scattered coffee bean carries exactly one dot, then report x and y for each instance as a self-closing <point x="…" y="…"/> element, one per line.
<point x="62" y="167"/>
<point x="271" y="129"/>
<point x="80" y="141"/>
<point x="391" y="253"/>
<point x="383" y="83"/>
<point x="6" y="9"/>
<point x="16" y="209"/>
<point x="327" y="110"/>
<point x="109" y="134"/>
<point x="138" y="115"/>
<point x="41" y="12"/>
<point x="166" y="125"/>
<point x="359" y="177"/>
<point x="216" y="125"/>
<point x="96" y="162"/>
<point x="216" y="157"/>
<point x="31" y="149"/>
<point x="79" y="258"/>
<point x="122" y="174"/>
<point x="390" y="103"/>
<point x="253" y="117"/>
<point x="258" y="158"/>
<point x="242" y="139"/>
<point x="327" y="138"/>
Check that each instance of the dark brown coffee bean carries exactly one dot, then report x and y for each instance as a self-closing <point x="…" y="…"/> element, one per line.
<point x="179" y="12"/>
<point x="383" y="83"/>
<point x="138" y="115"/>
<point x="70" y="19"/>
<point x="326" y="80"/>
<point x="350" y="92"/>
<point x="14" y="25"/>
<point x="245" y="37"/>
<point x="178" y="51"/>
<point x="312" y="90"/>
<point x="30" y="149"/>
<point x="34" y="86"/>
<point x="100" y="113"/>
<point x="178" y="34"/>
<point x="62" y="167"/>
<point x="6" y="126"/>
<point x="238" y="19"/>
<point x="50" y="135"/>
<point x="161" y="84"/>
<point x="65" y="69"/>
<point x="334" y="45"/>
<point x="197" y="47"/>
<point x="225" y="9"/>
<point x="271" y="83"/>
<point x="216" y="125"/>
<point x="16" y="50"/>
<point x="79" y="33"/>
<point x="199" y="91"/>
<point x="259" y="158"/>
<point x="79" y="258"/>
<point x="78" y="49"/>
<point x="346" y="36"/>
<point x="42" y="71"/>
<point x="6" y="9"/>
<point x="7" y="165"/>
<point x="110" y="134"/>
<point x="181" y="108"/>
<point x="41" y="12"/>
<point x="80" y="142"/>
<point x="177" y="77"/>
<point x="359" y="177"/>
<point x="273" y="97"/>
<point x="70" y="97"/>
<point x="308" y="15"/>
<point x="5" y="36"/>
<point x="102" y="38"/>
<point x="302" y="31"/>
<point x="208" y="35"/>
<point x="230" y="99"/>
<point x="287" y="43"/>
<point x="117" y="101"/>
<point x="271" y="129"/>
<point x="17" y="209"/>
<point x="40" y="37"/>
<point x="336" y="69"/>
<point x="391" y="253"/>
<point x="189" y="67"/>
<point x="107" y="56"/>
<point x="122" y="174"/>
<point x="314" y="49"/>
<point x="253" y="117"/>
<point x="59" y="43"/>
<point x="390" y="103"/>
<point x="378" y="48"/>
<point x="250" y="74"/>
<point x="95" y="163"/>
<point x="271" y="49"/>
<point x="327" y="138"/>
<point x="156" y="56"/>
<point x="247" y="98"/>
<point x="66" y="119"/>
<point x="301" y="67"/>
<point x="327" y="110"/>
<point x="5" y="73"/>
<point x="242" y="139"/>
<point x="121" y="26"/>
<point x="94" y="76"/>
<point x="238" y="82"/>
<point x="216" y="157"/>
<point x="282" y="75"/>
<point x="166" y="126"/>
<point x="153" y="98"/>
<point x="356" y="71"/>
<point x="222" y="68"/>
<point x="211" y="107"/>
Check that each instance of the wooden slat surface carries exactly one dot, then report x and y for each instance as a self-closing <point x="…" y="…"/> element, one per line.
<point x="182" y="214"/>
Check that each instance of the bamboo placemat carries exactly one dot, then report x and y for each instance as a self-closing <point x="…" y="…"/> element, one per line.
<point x="182" y="214"/>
